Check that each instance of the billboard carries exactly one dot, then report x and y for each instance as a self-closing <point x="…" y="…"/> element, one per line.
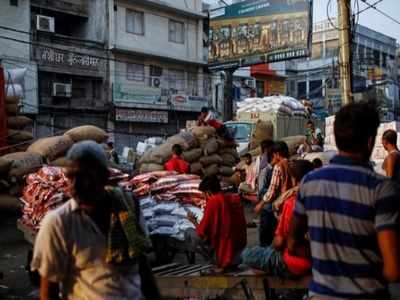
<point x="258" y="31"/>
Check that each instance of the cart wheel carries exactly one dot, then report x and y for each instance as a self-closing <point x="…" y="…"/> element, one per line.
<point x="34" y="276"/>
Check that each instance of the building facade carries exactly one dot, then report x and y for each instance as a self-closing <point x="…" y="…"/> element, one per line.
<point x="69" y="45"/>
<point x="157" y="68"/>
<point x="317" y="78"/>
<point x="15" y="49"/>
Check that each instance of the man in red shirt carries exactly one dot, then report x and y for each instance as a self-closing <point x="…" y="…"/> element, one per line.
<point x="176" y="163"/>
<point x="223" y="225"/>
<point x="276" y="260"/>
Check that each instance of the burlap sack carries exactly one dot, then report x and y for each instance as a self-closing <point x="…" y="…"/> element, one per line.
<point x="51" y="148"/>
<point x="87" y="132"/>
<point x="263" y="130"/>
<point x="226" y="171"/>
<point x="196" y="168"/>
<point x="18" y="136"/>
<point x="231" y="151"/>
<point x="210" y="147"/>
<point x="294" y="142"/>
<point x="145" y="168"/>
<point x="228" y="160"/>
<point x="12" y="109"/>
<point x="18" y="122"/>
<point x="158" y="155"/>
<point x="9" y="203"/>
<point x="211" y="170"/>
<point x="61" y="162"/>
<point x="5" y="165"/>
<point x="192" y="155"/>
<point x="203" y="131"/>
<point x="211" y="159"/>
<point x="185" y="139"/>
<point x="162" y="153"/>
<point x="23" y="163"/>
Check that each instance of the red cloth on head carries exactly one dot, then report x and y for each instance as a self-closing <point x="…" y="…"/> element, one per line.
<point x="177" y="164"/>
<point x="224" y="227"/>
<point x="296" y="265"/>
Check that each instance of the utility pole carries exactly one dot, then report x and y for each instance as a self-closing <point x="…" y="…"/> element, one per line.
<point x="228" y="94"/>
<point x="345" y="45"/>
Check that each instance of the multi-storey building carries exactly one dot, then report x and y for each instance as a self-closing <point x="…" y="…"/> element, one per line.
<point x="317" y="78"/>
<point x="68" y="43"/>
<point x="156" y="70"/>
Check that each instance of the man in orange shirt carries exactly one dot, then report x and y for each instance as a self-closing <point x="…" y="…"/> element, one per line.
<point x="176" y="163"/>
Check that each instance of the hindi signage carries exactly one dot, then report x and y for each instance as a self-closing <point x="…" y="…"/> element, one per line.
<point x="51" y="56"/>
<point x="141" y="115"/>
<point x="256" y="31"/>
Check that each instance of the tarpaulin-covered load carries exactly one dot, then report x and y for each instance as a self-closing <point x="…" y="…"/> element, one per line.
<point x="166" y="198"/>
<point x="203" y="150"/>
<point x="274" y="104"/>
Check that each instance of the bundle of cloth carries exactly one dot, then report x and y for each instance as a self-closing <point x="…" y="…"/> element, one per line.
<point x="206" y="153"/>
<point x="166" y="198"/>
<point x="274" y="104"/>
<point x="46" y="190"/>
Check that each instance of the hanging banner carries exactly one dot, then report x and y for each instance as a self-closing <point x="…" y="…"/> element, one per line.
<point x="259" y="31"/>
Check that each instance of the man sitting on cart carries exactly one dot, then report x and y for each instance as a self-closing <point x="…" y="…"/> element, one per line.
<point x="276" y="259"/>
<point x="223" y="226"/>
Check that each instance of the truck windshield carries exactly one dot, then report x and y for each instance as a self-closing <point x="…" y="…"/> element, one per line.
<point x="240" y="131"/>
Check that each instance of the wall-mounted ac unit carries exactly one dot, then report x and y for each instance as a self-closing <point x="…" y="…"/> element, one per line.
<point x="62" y="90"/>
<point x="44" y="23"/>
<point x="155" y="82"/>
<point x="251" y="83"/>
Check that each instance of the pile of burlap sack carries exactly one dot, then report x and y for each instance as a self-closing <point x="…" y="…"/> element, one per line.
<point x="45" y="151"/>
<point x="206" y="153"/>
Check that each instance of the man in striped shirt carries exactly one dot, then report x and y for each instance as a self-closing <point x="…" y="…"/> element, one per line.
<point x="351" y="215"/>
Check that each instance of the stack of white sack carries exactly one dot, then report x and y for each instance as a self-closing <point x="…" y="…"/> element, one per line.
<point x="166" y="198"/>
<point x="274" y="104"/>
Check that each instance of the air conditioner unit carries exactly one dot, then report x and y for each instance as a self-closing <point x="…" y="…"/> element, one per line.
<point x="251" y="83"/>
<point x="44" y="23"/>
<point x="155" y="82"/>
<point x="62" y="90"/>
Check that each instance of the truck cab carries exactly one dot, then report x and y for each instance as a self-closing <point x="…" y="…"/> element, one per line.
<point x="242" y="132"/>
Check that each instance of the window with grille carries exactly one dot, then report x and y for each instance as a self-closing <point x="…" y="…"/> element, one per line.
<point x="176" y="32"/>
<point x="134" y="22"/>
<point x="135" y="72"/>
<point x="156" y="71"/>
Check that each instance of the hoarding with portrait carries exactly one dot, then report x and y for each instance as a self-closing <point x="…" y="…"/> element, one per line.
<point x="257" y="31"/>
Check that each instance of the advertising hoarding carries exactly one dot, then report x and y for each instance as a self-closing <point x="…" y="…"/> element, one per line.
<point x="258" y="31"/>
